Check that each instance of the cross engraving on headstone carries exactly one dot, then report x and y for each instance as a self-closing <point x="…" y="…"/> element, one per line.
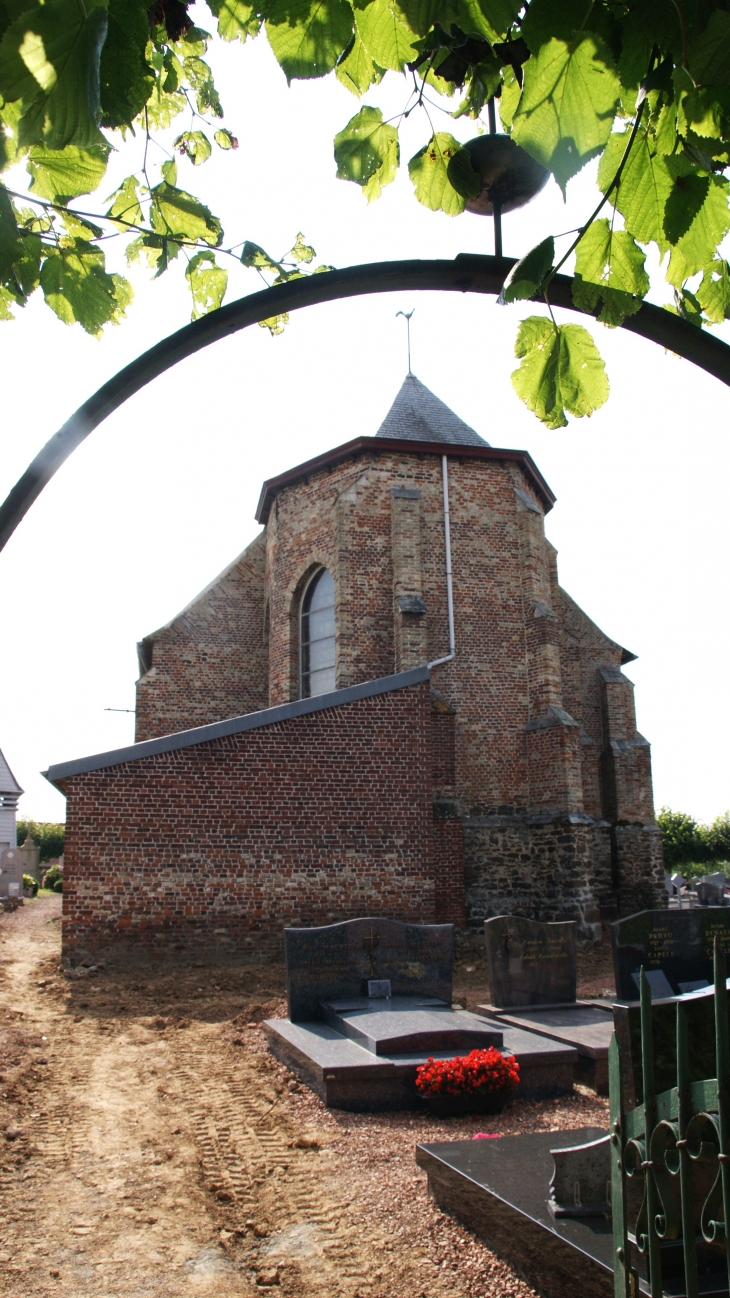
<point x="370" y="944"/>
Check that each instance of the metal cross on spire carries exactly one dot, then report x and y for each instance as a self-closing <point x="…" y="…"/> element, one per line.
<point x="407" y="317"/>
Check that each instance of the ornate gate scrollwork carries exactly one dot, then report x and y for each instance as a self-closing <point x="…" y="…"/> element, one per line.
<point x="671" y="1163"/>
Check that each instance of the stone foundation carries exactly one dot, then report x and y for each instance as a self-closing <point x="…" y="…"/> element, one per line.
<point x="560" y="868"/>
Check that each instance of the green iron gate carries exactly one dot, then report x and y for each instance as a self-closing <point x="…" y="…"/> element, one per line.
<point x="670" y="1146"/>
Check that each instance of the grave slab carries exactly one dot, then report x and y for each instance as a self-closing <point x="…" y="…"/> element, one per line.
<point x="678" y="943"/>
<point x="586" y="1027"/>
<point x="409" y="1025"/>
<point x="348" y="1076"/>
<point x="500" y="1190"/>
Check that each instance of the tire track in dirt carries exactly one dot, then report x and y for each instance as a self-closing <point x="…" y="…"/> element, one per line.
<point x="249" y="1152"/>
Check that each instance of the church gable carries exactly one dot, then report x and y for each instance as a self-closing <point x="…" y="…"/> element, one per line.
<point x="210" y="661"/>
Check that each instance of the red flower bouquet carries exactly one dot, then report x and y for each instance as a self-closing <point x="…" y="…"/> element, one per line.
<point x="480" y="1082"/>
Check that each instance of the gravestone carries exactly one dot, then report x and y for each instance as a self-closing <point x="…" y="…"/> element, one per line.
<point x="677" y="943"/>
<point x="338" y="962"/>
<point x="711" y="889"/>
<point x="31" y="856"/>
<point x="11" y="873"/>
<point x="530" y="963"/>
<point x="532" y="976"/>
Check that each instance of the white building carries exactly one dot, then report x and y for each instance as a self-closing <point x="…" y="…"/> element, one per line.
<point x="10" y="791"/>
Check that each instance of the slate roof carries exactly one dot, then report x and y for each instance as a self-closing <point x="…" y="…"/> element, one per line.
<point x="417" y="415"/>
<point x="8" y="782"/>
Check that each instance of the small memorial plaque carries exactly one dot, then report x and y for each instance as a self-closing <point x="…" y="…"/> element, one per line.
<point x="677" y="942"/>
<point x="530" y="963"/>
<point x="379" y="988"/>
<point x="658" y="985"/>
<point x="340" y="960"/>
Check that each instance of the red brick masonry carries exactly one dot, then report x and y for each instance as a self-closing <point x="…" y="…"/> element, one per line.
<point x="209" y="850"/>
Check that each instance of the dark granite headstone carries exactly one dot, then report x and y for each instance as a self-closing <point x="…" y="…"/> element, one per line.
<point x="326" y="964"/>
<point x="678" y="942"/>
<point x="530" y="963"/>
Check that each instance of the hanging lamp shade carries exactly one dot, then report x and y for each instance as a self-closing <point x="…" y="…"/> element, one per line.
<point x="509" y="176"/>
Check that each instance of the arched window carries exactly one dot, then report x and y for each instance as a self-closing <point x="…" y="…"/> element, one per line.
<point x="318" y="635"/>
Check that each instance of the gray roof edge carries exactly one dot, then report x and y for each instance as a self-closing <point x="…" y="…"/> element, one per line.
<point x="237" y="725"/>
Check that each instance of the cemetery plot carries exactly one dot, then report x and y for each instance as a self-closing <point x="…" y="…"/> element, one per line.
<point x="360" y="1052"/>
<point x="532" y="972"/>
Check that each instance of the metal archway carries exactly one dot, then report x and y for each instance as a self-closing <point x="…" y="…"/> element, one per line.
<point x="465" y="274"/>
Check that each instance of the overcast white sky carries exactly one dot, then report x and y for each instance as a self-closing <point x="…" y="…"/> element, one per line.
<point x="161" y="497"/>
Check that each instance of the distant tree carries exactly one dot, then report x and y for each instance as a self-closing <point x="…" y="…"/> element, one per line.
<point x="717" y="837"/>
<point x="48" y="835"/>
<point x="688" y="843"/>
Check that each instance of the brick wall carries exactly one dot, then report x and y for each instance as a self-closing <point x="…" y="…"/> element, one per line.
<point x="207" y="852"/>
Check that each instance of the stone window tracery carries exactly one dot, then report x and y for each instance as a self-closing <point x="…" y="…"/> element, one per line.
<point x="317" y="636"/>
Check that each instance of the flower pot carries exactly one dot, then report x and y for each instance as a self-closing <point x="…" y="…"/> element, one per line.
<point x="448" y="1106"/>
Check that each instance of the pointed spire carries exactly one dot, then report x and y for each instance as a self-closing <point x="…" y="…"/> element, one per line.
<point x="419" y="416"/>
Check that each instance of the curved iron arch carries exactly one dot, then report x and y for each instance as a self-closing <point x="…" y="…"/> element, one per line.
<point x="465" y="274"/>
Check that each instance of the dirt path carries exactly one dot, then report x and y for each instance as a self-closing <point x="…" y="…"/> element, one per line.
<point x="151" y="1146"/>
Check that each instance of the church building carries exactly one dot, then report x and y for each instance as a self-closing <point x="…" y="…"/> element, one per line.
<point x="387" y="705"/>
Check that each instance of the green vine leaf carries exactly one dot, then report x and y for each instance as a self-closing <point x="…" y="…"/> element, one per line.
<point x="301" y="251"/>
<point x="713" y="293"/>
<point x="258" y="259"/>
<point x="308" y="36"/>
<point x="367" y="152"/>
<point x="561" y="370"/>
<point x="646" y="184"/>
<point x="236" y="19"/>
<point x="194" y="145"/>
<point x="567" y="106"/>
<point x="62" y="174"/>
<point x="356" y="70"/>
<point x="711" y="222"/>
<point x="527" y="275"/>
<point x="126" y="79"/>
<point x="182" y="216"/>
<point x="428" y="170"/>
<point x="225" y="140"/>
<point x="208" y="283"/>
<point x="609" y="268"/>
<point x="491" y="19"/>
<point x="386" y="33"/>
<point x="709" y="53"/>
<point x="162" y="109"/>
<point x="10" y="243"/>
<point x="49" y="58"/>
<point x="275" y="324"/>
<point x="125" y="204"/>
<point x="77" y="287"/>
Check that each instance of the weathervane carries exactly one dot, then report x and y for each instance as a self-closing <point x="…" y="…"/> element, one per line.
<point x="407" y="317"/>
